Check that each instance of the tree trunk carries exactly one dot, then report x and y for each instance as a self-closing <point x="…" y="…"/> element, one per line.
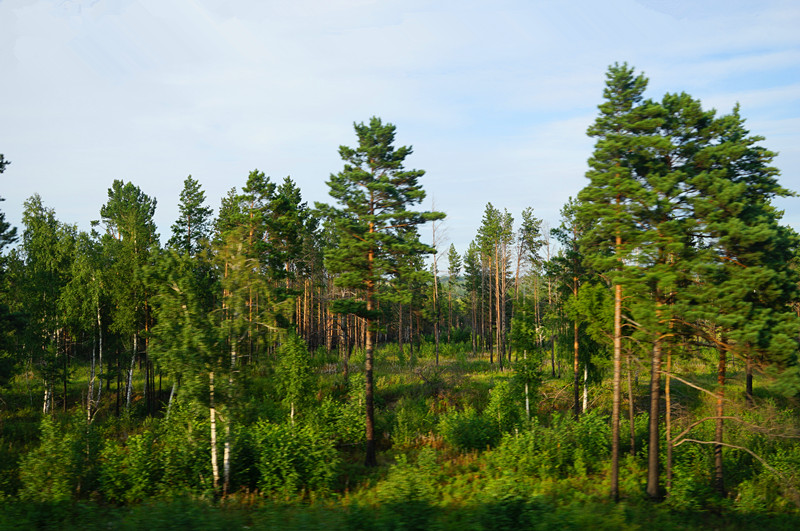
<point x="631" y="416"/>
<point x="226" y="457"/>
<point x="171" y="397"/>
<point x="719" y="480"/>
<point x="213" y="420"/>
<point x="668" y="426"/>
<point x="653" y="449"/>
<point x="129" y="387"/>
<point x="615" y="407"/>
<point x="498" y="312"/>
<point x="575" y="371"/>
<point x="370" y="459"/>
<point x="585" y="403"/>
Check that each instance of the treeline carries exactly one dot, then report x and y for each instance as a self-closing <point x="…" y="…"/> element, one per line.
<point x="671" y="258"/>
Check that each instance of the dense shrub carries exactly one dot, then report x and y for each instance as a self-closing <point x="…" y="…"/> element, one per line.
<point x="65" y="463"/>
<point x="342" y="422"/>
<point x="408" y="494"/>
<point x="169" y="457"/>
<point x="565" y="447"/>
<point x="413" y="418"/>
<point x="469" y="430"/>
<point x="293" y="458"/>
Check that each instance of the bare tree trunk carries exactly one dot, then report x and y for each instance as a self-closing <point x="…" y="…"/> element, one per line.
<point x="719" y="479"/>
<point x="631" y="416"/>
<point x="90" y="393"/>
<point x="615" y="407"/>
<point x="575" y="371"/>
<point x="99" y="361"/>
<point x="653" y="475"/>
<point x="400" y="330"/>
<point x="585" y="403"/>
<point x="668" y="426"/>
<point x="370" y="459"/>
<point x="527" y="400"/>
<point x="498" y="313"/>
<point x="226" y="457"/>
<point x="171" y="397"/>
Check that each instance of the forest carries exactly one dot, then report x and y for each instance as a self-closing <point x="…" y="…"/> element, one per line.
<point x="282" y="365"/>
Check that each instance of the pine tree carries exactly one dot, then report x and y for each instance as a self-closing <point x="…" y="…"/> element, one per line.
<point x="453" y="271"/>
<point x="570" y="265"/>
<point x="607" y="203"/>
<point x="744" y="279"/>
<point x="8" y="321"/>
<point x="372" y="223"/>
<point x="194" y="220"/>
<point x="131" y="240"/>
<point x="8" y="234"/>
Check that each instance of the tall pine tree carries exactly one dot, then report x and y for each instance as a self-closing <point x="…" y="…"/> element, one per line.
<point x="374" y="193"/>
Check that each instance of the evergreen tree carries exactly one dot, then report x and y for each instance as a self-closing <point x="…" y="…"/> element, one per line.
<point x="130" y="240"/>
<point x="374" y="192"/>
<point x="472" y="281"/>
<point x="453" y="271"/>
<point x="8" y="321"/>
<point x="41" y="276"/>
<point x="623" y="130"/>
<point x="194" y="219"/>
<point x="8" y="234"/>
<point x="569" y="263"/>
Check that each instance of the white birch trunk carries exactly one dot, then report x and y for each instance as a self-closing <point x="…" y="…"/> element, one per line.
<point x="226" y="457"/>
<point x="213" y="419"/>
<point x="171" y="396"/>
<point x="585" y="389"/>
<point x="90" y="393"/>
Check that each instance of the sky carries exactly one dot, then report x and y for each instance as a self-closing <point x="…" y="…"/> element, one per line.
<point x="494" y="96"/>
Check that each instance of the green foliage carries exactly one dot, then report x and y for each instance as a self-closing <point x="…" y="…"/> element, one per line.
<point x="469" y="430"/>
<point x="167" y="458"/>
<point x="566" y="447"/>
<point x="65" y="464"/>
<point x="413" y="418"/>
<point x="408" y="495"/>
<point x="505" y="408"/>
<point x="343" y="422"/>
<point x="294" y="377"/>
<point x="293" y="459"/>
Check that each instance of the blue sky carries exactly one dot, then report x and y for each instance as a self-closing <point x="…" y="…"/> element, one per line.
<point x="495" y="97"/>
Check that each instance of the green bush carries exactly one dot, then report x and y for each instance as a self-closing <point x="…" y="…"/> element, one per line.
<point x="293" y="458"/>
<point x="169" y="457"/>
<point x="342" y="422"/>
<point x="413" y="418"/>
<point x="504" y="409"/>
<point x="566" y="447"/>
<point x="408" y="494"/>
<point x="469" y="430"/>
<point x="65" y="463"/>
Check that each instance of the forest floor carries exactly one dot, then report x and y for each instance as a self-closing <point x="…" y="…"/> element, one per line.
<point x="455" y="451"/>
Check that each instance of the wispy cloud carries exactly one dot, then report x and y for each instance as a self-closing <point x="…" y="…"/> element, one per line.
<point x="494" y="97"/>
